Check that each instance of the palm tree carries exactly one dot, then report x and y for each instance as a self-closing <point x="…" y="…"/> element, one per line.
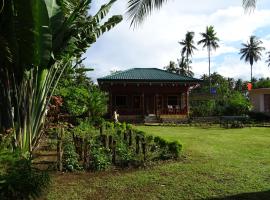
<point x="251" y="52"/>
<point x="139" y="9"/>
<point x="268" y="58"/>
<point x="188" y="46"/>
<point x="210" y="41"/>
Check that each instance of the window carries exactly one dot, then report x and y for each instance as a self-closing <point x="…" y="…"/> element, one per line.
<point x="172" y="100"/>
<point x="121" y="100"/>
<point x="267" y="102"/>
<point x="136" y="101"/>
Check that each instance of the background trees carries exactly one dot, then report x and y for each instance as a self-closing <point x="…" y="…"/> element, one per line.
<point x="229" y="98"/>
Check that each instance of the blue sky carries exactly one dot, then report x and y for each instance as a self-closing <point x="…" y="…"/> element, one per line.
<point x="155" y="42"/>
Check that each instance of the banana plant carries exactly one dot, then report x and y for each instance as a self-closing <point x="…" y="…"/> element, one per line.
<point x="38" y="39"/>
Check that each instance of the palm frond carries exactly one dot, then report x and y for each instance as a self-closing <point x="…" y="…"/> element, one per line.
<point x="103" y="11"/>
<point x="249" y="5"/>
<point x="139" y="9"/>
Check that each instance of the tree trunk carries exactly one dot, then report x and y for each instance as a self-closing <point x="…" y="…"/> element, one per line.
<point x="187" y="64"/>
<point x="250" y="73"/>
<point x="209" y="70"/>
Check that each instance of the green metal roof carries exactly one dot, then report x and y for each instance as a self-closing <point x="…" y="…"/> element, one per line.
<point x="147" y="75"/>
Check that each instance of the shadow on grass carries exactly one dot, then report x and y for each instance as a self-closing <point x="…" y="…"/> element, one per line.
<point x="264" y="195"/>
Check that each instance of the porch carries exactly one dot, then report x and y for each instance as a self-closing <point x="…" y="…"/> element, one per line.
<point x="146" y="104"/>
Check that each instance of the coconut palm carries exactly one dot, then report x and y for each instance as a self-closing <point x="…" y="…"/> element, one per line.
<point x="210" y="41"/>
<point x="251" y="52"/>
<point x="188" y="46"/>
<point x="139" y="9"/>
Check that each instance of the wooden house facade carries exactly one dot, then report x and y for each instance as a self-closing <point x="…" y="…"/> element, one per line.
<point x="142" y="92"/>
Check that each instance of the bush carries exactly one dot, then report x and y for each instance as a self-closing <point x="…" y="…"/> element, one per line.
<point x="160" y="141"/>
<point x="237" y="104"/>
<point x="203" y="108"/>
<point x="84" y="129"/>
<point x="70" y="157"/>
<point x="100" y="158"/>
<point x="175" y="148"/>
<point x="124" y="154"/>
<point x="22" y="181"/>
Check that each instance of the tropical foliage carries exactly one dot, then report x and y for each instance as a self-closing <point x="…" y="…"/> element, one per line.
<point x="262" y="83"/>
<point x="39" y="38"/>
<point x="81" y="97"/>
<point x="251" y="52"/>
<point x="229" y="98"/>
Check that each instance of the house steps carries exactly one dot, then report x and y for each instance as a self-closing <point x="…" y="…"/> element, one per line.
<point x="152" y="119"/>
<point x="45" y="155"/>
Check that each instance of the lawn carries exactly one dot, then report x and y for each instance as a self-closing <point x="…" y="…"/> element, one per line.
<point x="216" y="164"/>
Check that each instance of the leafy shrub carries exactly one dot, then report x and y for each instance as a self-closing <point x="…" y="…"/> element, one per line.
<point x="100" y="158"/>
<point x="237" y="104"/>
<point x="160" y="141"/>
<point x="175" y="148"/>
<point x="264" y="83"/>
<point x="22" y="181"/>
<point x="84" y="128"/>
<point x="203" y="108"/>
<point x="124" y="154"/>
<point x="70" y="157"/>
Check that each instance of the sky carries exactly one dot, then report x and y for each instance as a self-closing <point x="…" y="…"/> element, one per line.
<point x="155" y="42"/>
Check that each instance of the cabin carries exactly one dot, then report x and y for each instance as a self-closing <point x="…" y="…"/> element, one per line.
<point x="148" y="94"/>
<point x="260" y="99"/>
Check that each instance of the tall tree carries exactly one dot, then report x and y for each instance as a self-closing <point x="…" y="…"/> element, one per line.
<point x="139" y="9"/>
<point x="210" y="41"/>
<point x="188" y="46"/>
<point x="251" y="52"/>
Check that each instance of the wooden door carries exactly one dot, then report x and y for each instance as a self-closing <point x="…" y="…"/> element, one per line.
<point x="149" y="104"/>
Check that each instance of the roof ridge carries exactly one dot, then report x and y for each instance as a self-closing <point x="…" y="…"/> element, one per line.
<point x="174" y="73"/>
<point x="116" y="73"/>
<point x="153" y="74"/>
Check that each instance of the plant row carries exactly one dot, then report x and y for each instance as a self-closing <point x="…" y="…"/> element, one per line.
<point x="121" y="145"/>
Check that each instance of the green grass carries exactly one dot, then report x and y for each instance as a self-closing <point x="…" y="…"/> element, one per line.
<point x="215" y="163"/>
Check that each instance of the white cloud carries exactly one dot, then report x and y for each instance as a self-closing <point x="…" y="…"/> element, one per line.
<point x="155" y="43"/>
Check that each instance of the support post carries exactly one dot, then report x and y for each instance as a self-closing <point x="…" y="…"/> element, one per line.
<point x="60" y="149"/>
<point x="187" y="105"/>
<point x="143" y="103"/>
